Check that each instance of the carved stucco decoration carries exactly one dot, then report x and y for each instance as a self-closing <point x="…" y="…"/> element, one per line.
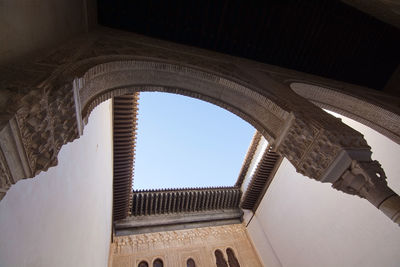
<point x="312" y="147"/>
<point x="263" y="113"/>
<point x="175" y="247"/>
<point x="45" y="103"/>
<point x="31" y="141"/>
<point x="375" y="116"/>
<point x="368" y="180"/>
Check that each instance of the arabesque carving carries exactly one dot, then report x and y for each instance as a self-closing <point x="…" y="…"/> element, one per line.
<point x="368" y="180"/>
<point x="48" y="124"/>
<point x="312" y="148"/>
<point x="44" y="103"/>
<point x="175" y="247"/>
<point x="379" y="118"/>
<point x="330" y="151"/>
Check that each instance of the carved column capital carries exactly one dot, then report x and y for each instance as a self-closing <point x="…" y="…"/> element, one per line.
<point x="325" y="149"/>
<point x="367" y="179"/>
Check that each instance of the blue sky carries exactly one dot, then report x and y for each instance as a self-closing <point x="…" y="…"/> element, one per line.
<point x="184" y="142"/>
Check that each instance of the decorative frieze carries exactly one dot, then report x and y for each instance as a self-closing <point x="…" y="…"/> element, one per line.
<point x="174" y="248"/>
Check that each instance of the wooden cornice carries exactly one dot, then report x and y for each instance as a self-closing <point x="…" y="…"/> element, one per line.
<point x="261" y="179"/>
<point x="248" y="158"/>
<point x="151" y="202"/>
<point x="124" y="136"/>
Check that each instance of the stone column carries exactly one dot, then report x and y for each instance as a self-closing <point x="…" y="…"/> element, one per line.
<point x="367" y="179"/>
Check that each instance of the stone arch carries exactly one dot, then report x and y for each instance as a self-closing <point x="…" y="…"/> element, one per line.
<point x="318" y="145"/>
<point x="158" y="263"/>
<point x="190" y="263"/>
<point x="143" y="264"/>
<point x="56" y="111"/>
<point x="376" y="116"/>
<point x="116" y="78"/>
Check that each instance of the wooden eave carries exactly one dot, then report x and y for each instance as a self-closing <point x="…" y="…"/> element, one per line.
<point x="261" y="179"/>
<point x="248" y="158"/>
<point x="166" y="201"/>
<point x="125" y="110"/>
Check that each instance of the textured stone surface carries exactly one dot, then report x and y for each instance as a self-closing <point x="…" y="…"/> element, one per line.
<point x="176" y="247"/>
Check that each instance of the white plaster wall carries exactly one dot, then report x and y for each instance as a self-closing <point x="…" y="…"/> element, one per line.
<point x="261" y="243"/>
<point x="27" y="26"/>
<point x="306" y="223"/>
<point x="63" y="217"/>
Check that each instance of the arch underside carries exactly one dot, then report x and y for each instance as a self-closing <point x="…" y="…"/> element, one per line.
<point x="124" y="77"/>
<point x="83" y="73"/>
<point x="78" y="96"/>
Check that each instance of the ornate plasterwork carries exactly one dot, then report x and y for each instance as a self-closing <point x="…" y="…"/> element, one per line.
<point x="48" y="124"/>
<point x="363" y="179"/>
<point x="5" y="176"/>
<point x="175" y="247"/>
<point x="367" y="179"/>
<point x="42" y="102"/>
<point x="263" y="113"/>
<point x="143" y="242"/>
<point x="374" y="116"/>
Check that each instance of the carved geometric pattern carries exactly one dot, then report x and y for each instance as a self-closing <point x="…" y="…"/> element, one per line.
<point x="312" y="147"/>
<point x="145" y="241"/>
<point x="5" y="176"/>
<point x="46" y="124"/>
<point x="372" y="115"/>
<point x="175" y="248"/>
<point x="191" y="82"/>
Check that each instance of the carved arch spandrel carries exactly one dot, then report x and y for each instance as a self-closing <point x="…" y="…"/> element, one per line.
<point x="370" y="114"/>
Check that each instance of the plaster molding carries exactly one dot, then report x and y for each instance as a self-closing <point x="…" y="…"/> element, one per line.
<point x="378" y="118"/>
<point x="175" y="247"/>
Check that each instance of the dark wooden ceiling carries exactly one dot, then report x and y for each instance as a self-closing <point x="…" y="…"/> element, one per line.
<point x="322" y="37"/>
